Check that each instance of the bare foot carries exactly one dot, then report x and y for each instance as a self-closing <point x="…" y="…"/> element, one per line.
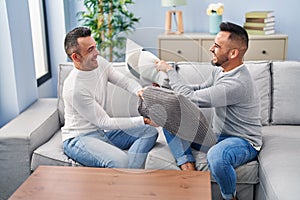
<point x="189" y="166"/>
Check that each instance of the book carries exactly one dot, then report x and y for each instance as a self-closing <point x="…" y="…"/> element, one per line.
<point x="260" y="32"/>
<point x="252" y="24"/>
<point x="259" y="28"/>
<point x="259" y="14"/>
<point x="261" y="20"/>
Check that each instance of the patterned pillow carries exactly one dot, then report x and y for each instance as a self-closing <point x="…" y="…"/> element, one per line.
<point x="178" y="115"/>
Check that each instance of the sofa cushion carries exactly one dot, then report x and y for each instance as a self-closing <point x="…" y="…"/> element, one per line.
<point x="279" y="161"/>
<point x="63" y="71"/>
<point x="51" y="153"/>
<point x="260" y="72"/>
<point x="194" y="72"/>
<point x="286" y="95"/>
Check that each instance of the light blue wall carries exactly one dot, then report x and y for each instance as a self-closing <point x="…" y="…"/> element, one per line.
<point x="152" y="16"/>
<point x="196" y="20"/>
<point x="18" y="84"/>
<point x="8" y="93"/>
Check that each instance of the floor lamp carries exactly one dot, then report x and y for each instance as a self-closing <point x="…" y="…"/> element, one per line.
<point x="177" y="14"/>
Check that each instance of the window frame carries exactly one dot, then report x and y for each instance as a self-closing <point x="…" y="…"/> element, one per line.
<point x="48" y="74"/>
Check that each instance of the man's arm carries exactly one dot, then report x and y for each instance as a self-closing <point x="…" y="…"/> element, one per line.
<point x="226" y="92"/>
<point x="123" y="81"/>
<point x="93" y="112"/>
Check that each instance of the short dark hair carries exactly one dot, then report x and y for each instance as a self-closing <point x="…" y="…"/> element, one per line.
<point x="237" y="32"/>
<point x="71" y="44"/>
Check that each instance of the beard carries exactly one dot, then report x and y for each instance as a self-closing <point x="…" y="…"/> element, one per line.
<point x="219" y="60"/>
<point x="90" y="63"/>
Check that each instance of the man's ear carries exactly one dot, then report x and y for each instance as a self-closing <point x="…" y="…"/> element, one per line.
<point x="234" y="53"/>
<point x="75" y="57"/>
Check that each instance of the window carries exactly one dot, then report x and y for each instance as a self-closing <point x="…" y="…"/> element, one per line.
<point x="39" y="39"/>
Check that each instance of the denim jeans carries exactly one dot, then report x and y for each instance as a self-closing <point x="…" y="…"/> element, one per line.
<point x="228" y="154"/>
<point x="105" y="149"/>
<point x="181" y="149"/>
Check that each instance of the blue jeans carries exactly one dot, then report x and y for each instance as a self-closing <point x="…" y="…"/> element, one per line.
<point x="181" y="149"/>
<point x="228" y="154"/>
<point x="105" y="149"/>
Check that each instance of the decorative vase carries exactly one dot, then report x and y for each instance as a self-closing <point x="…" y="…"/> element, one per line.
<point x="214" y="23"/>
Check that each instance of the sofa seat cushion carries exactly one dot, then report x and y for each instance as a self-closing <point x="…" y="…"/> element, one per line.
<point x="279" y="162"/>
<point x="160" y="157"/>
<point x="51" y="153"/>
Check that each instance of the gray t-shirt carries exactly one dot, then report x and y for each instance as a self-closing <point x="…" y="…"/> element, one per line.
<point x="234" y="98"/>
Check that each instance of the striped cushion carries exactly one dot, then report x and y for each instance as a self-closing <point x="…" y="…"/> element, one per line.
<point x="178" y="115"/>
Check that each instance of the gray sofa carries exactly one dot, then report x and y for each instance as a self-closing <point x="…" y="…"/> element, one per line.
<point x="33" y="138"/>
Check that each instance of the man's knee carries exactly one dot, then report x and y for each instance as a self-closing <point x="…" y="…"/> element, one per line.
<point x="151" y="132"/>
<point x="120" y="162"/>
<point x="215" y="156"/>
<point x="220" y="156"/>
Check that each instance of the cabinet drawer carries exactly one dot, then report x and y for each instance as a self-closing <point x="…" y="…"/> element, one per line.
<point x="206" y="55"/>
<point x="266" y="50"/>
<point x="178" y="50"/>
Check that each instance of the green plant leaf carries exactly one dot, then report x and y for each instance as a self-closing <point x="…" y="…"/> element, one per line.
<point x="108" y="36"/>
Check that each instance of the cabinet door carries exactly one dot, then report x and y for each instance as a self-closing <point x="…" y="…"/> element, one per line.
<point x="178" y="50"/>
<point x="273" y="49"/>
<point x="206" y="55"/>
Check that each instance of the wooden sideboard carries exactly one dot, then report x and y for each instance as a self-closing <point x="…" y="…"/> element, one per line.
<point x="195" y="47"/>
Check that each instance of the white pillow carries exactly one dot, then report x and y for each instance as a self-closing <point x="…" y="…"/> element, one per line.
<point x="148" y="71"/>
<point x="141" y="64"/>
<point x="132" y="55"/>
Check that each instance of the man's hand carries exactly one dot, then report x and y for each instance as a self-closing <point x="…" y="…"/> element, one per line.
<point x="163" y="66"/>
<point x="150" y="122"/>
<point x="140" y="93"/>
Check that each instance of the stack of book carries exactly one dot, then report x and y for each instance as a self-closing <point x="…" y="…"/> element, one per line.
<point x="260" y="22"/>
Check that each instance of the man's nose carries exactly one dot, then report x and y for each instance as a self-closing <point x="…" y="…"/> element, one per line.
<point x="97" y="52"/>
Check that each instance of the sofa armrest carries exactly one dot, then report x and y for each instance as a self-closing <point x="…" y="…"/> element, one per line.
<point x="20" y="137"/>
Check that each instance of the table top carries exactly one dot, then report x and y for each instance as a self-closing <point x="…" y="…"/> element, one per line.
<point x="57" y="182"/>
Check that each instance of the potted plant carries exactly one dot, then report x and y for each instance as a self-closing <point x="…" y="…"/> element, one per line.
<point x="109" y="21"/>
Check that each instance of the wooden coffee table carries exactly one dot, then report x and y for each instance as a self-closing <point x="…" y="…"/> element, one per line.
<point x="54" y="182"/>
